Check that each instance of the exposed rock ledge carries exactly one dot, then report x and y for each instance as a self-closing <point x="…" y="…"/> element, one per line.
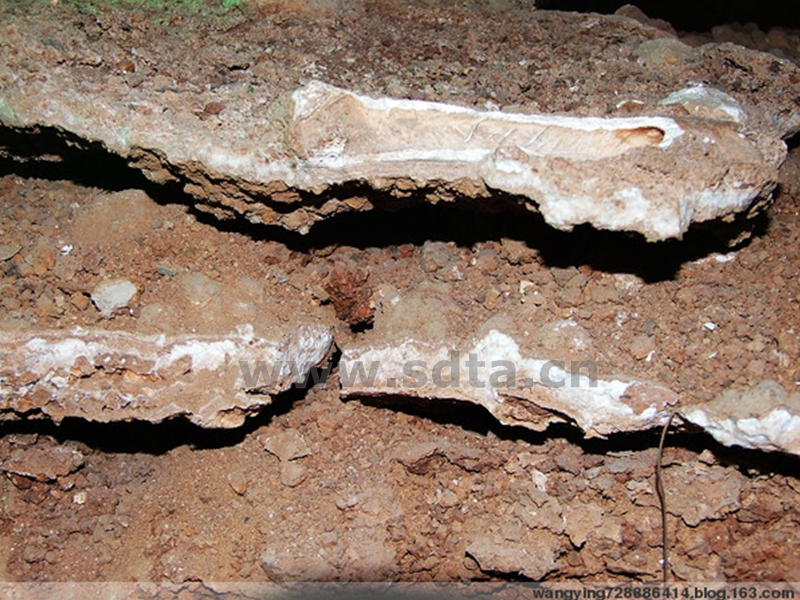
<point x="515" y="388"/>
<point x="322" y="146"/>
<point x="534" y="392"/>
<point x="117" y="376"/>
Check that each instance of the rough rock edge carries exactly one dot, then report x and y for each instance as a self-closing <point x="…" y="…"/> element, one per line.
<point x="649" y="174"/>
<point x="118" y="376"/>
<point x="541" y="393"/>
<point x="762" y="419"/>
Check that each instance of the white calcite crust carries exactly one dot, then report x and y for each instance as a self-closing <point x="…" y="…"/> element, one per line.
<point x="762" y="418"/>
<point x="119" y="376"/>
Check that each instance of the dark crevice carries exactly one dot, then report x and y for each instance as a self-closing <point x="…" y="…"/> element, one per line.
<point x="607" y="251"/>
<point x="472" y="417"/>
<point x="793" y="142"/>
<point x="160" y="438"/>
<point x="694" y="15"/>
<point x="153" y="438"/>
<point x="54" y="155"/>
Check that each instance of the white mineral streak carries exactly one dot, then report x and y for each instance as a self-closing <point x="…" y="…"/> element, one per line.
<point x="562" y="163"/>
<point x="112" y="375"/>
<point x="763" y="418"/>
<point x="536" y="393"/>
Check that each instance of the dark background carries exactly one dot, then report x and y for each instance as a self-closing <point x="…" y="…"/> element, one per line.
<point x="696" y="15"/>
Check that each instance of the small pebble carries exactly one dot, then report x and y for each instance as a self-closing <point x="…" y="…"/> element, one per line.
<point x="112" y="294"/>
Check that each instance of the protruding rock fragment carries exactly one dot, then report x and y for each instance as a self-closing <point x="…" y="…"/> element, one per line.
<point x="43" y="461"/>
<point x="239" y="481"/>
<point x="697" y="492"/>
<point x="584" y="519"/>
<point x="291" y="563"/>
<point x="8" y="251"/>
<point x="632" y="11"/>
<point x="351" y="296"/>
<point x="287" y="445"/>
<point x="422" y="458"/>
<point x="533" y="557"/>
<point x="293" y="474"/>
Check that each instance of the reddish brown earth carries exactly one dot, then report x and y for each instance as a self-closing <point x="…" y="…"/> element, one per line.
<point x="317" y="488"/>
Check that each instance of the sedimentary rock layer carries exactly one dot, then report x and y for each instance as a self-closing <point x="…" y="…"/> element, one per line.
<point x="654" y="175"/>
<point x="216" y="381"/>
<point x="117" y="376"/>
<point x="517" y="389"/>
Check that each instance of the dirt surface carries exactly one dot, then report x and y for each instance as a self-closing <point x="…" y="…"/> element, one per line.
<point x="317" y="488"/>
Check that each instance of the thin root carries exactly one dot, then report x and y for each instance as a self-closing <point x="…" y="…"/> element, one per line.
<point x="662" y="498"/>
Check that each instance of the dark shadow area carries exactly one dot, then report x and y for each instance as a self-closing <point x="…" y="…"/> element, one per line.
<point x="608" y="251"/>
<point x="394" y="221"/>
<point x="159" y="438"/>
<point x="472" y="417"/>
<point x="469" y="417"/>
<point x="695" y="15"/>
<point x="47" y="153"/>
<point x="153" y="438"/>
<point x="794" y="141"/>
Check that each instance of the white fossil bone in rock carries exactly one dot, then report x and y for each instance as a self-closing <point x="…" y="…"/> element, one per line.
<point x="651" y="174"/>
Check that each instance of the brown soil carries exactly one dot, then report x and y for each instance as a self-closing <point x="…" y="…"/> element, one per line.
<point x="317" y="488"/>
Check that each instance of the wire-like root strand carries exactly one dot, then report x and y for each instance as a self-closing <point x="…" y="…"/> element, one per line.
<point x="662" y="498"/>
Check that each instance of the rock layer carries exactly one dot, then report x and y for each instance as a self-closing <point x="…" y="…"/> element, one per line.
<point x="216" y="381"/>
<point x="279" y="150"/>
<point x="117" y="376"/>
<point x="517" y="389"/>
<point x="654" y="175"/>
